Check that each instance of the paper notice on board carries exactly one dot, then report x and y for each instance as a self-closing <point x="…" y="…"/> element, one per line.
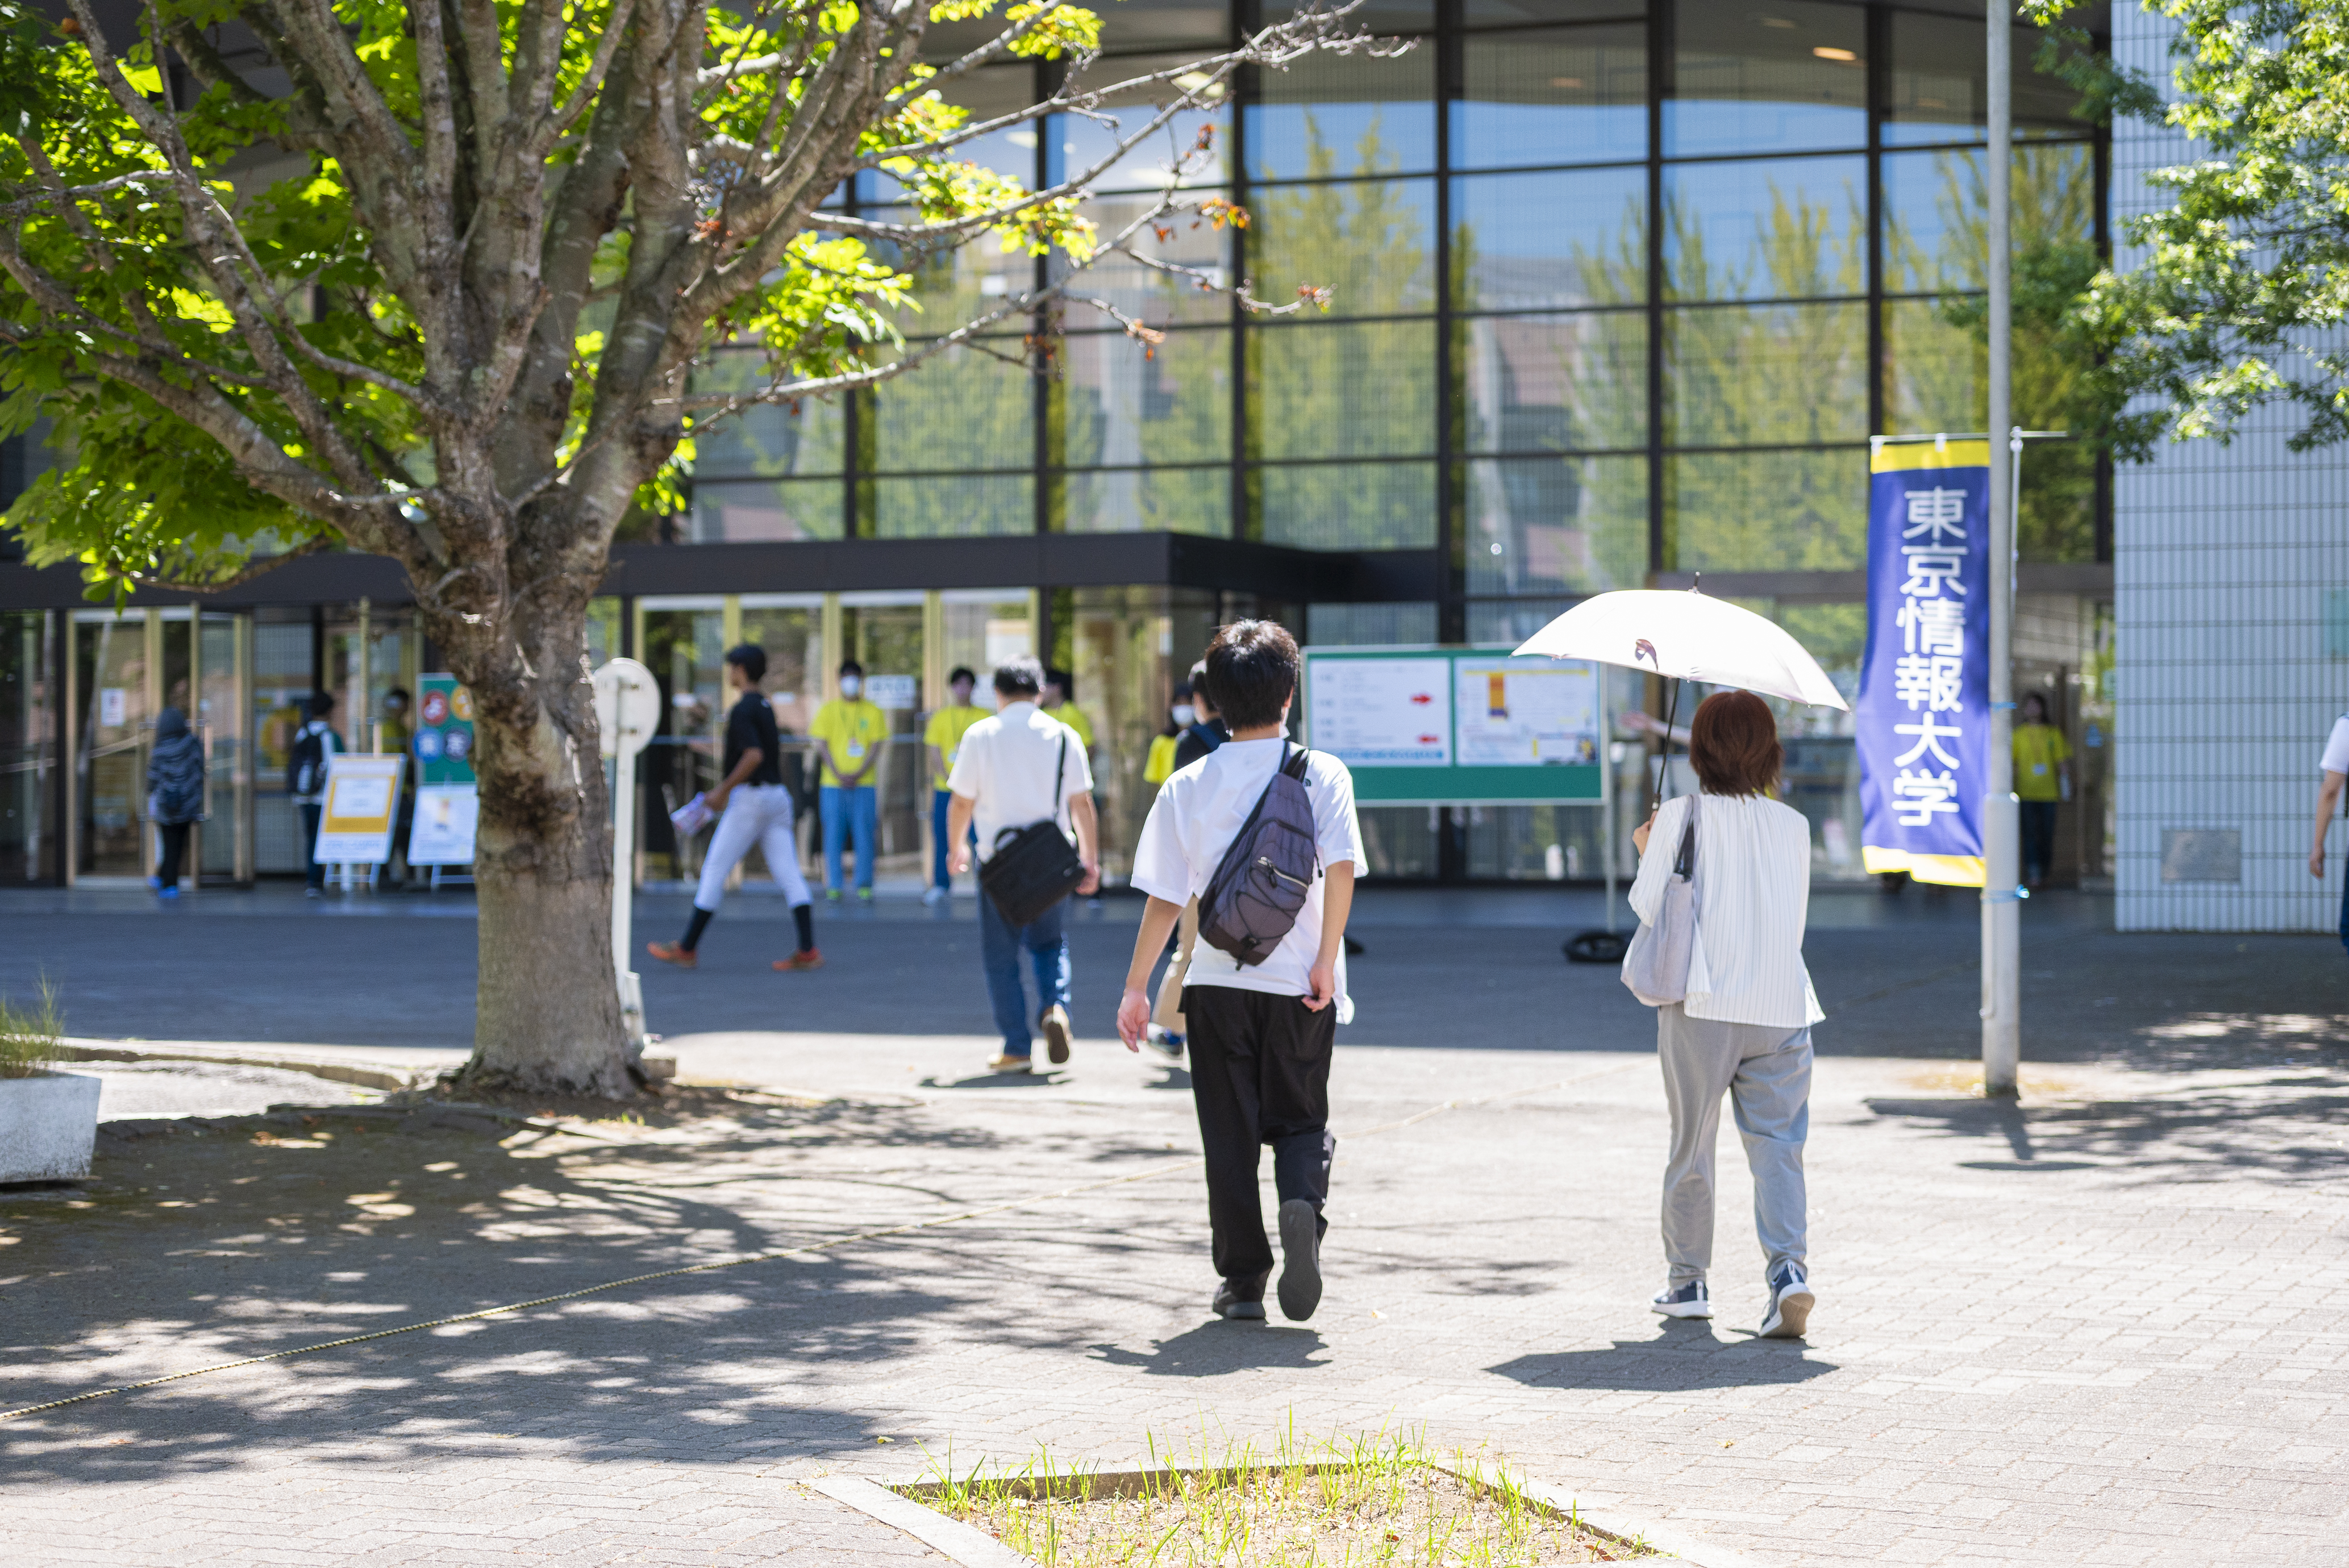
<point x="1382" y="712"/>
<point x="1525" y="713"/>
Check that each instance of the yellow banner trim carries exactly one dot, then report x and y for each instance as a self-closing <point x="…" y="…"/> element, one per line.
<point x="1896" y="457"/>
<point x="1949" y="871"/>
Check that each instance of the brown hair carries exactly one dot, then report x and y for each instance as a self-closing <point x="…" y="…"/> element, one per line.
<point x="1733" y="745"/>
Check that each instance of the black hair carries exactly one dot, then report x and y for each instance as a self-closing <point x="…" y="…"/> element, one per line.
<point x="1252" y="670"/>
<point x="2045" y="706"/>
<point x="1022" y="677"/>
<point x="1182" y="690"/>
<point x="850" y="667"/>
<point x="1065" y="681"/>
<point x="1200" y="694"/>
<point x="322" y="703"/>
<point x="398" y="691"/>
<point x="752" y="658"/>
<point x="962" y="673"/>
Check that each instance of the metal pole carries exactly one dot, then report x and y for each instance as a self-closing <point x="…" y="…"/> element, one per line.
<point x="2002" y="828"/>
<point x="1607" y="788"/>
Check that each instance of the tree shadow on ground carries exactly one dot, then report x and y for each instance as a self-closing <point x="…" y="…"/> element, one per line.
<point x="1685" y="1356"/>
<point x="1217" y="1348"/>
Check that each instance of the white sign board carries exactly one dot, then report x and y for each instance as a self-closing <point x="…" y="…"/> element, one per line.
<point x="361" y="804"/>
<point x="1526" y="713"/>
<point x="894" y="693"/>
<point x="442" y="834"/>
<point x="1383" y="712"/>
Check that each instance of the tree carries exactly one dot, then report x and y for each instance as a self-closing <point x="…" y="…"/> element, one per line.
<point x="2244" y="285"/>
<point x="431" y="279"/>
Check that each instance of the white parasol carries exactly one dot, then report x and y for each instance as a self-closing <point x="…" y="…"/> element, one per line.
<point x="1687" y="636"/>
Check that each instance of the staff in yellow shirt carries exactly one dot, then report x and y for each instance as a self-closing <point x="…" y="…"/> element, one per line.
<point x="2042" y="776"/>
<point x="1059" y="701"/>
<point x="849" y="732"/>
<point x="1159" y="766"/>
<point x="944" y="738"/>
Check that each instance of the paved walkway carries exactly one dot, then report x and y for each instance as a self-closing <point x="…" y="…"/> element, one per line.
<point x="2097" y="1328"/>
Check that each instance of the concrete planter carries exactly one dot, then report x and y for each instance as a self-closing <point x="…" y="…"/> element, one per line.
<point x="48" y="1124"/>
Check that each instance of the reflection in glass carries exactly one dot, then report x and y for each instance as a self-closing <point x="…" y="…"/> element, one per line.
<point x="735" y="513"/>
<point x="1771" y="374"/>
<point x="1340" y="114"/>
<point x="1349" y="506"/>
<point x="1766" y="511"/>
<point x="967" y="408"/>
<point x="960" y="507"/>
<point x="1141" y="292"/>
<point x="1785" y="74"/>
<point x="1557" y="524"/>
<point x="954" y="288"/>
<point x="1503" y="13"/>
<point x="1343" y="390"/>
<point x="1938" y="84"/>
<point x="1079" y="142"/>
<point x="1369" y="625"/>
<point x="1563" y="95"/>
<point x="1936" y="211"/>
<point x="1160" y="24"/>
<point x="1766" y="230"/>
<point x="769" y="440"/>
<point x="1537" y="242"/>
<point x="1556" y="383"/>
<point x="1123" y="402"/>
<point x="1138" y="501"/>
<point x="1375" y="15"/>
<point x="1371" y="243"/>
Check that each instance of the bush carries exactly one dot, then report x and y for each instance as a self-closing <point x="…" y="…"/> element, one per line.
<point x="29" y="1036"/>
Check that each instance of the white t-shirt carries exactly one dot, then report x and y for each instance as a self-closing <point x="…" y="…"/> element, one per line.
<point x="1006" y="765"/>
<point x="1200" y="810"/>
<point x="2336" y="748"/>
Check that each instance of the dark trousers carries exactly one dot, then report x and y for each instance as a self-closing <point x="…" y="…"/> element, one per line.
<point x="1259" y="1075"/>
<point x="2038" y="839"/>
<point x="310" y="812"/>
<point x="171" y="850"/>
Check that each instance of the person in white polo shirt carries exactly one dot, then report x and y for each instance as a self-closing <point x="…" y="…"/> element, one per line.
<point x="2332" y="769"/>
<point x="1020" y="766"/>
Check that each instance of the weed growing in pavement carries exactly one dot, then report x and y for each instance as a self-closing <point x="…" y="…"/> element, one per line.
<point x="1379" y="1501"/>
<point x="30" y="1036"/>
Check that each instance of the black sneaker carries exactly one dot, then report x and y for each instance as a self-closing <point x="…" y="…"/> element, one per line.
<point x="1790" y="1300"/>
<point x="1683" y="1300"/>
<point x="1300" y="1258"/>
<point x="1241" y="1299"/>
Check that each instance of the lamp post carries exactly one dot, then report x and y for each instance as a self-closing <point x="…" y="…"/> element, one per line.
<point x="2001" y="986"/>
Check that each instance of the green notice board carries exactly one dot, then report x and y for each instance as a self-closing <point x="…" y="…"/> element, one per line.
<point x="1442" y="726"/>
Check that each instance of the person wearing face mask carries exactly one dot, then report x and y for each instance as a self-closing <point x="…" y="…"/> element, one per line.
<point x="944" y="738"/>
<point x="1206" y="731"/>
<point x="849" y="732"/>
<point x="1160" y="765"/>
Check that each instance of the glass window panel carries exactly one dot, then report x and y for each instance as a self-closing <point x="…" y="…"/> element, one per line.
<point x="967" y="408"/>
<point x="1934" y="372"/>
<point x="1556" y="383"/>
<point x="1765" y="374"/>
<point x="1535" y="242"/>
<point x="1165" y="157"/>
<point x="1936" y="205"/>
<point x="1145" y="293"/>
<point x="1345" y="114"/>
<point x="1375" y="15"/>
<point x="1506" y="622"/>
<point x="1123" y="402"/>
<point x="961" y="506"/>
<point x="1501" y="13"/>
<point x="1371" y="243"/>
<point x="1549" y="525"/>
<point x="769" y="440"/>
<point x="1150" y="500"/>
<point x="1349" y="506"/>
<point x="1772" y="229"/>
<point x="1576" y="96"/>
<point x="1159" y="24"/>
<point x="1369" y="625"/>
<point x="1940" y="80"/>
<point x="989" y="93"/>
<point x="1766" y="511"/>
<point x="789" y="510"/>
<point x="1789" y="74"/>
<point x="1344" y="389"/>
<point x="955" y="286"/>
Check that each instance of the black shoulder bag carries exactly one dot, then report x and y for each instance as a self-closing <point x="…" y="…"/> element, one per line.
<point x="1033" y="867"/>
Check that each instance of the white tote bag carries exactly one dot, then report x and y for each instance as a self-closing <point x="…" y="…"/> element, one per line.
<point x="1656" y="967"/>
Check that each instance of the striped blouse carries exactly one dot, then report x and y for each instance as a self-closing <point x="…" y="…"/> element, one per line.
<point x="1753" y="894"/>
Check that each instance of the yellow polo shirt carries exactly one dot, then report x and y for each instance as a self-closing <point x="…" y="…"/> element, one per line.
<point x="947" y="726"/>
<point x="1072" y="716"/>
<point x="2040" y="751"/>
<point x="852" y="728"/>
<point x="1160" y="766"/>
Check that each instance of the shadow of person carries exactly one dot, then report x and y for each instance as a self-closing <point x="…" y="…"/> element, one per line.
<point x="1684" y="1354"/>
<point x="1176" y="1078"/>
<point x="1215" y="1349"/>
<point x="994" y="1080"/>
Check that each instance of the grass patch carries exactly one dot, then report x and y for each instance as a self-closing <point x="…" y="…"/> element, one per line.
<point x="30" y="1036"/>
<point x="1382" y="1500"/>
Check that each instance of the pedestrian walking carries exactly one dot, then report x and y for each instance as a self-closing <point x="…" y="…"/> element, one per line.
<point x="1743" y="1024"/>
<point x="305" y="781"/>
<point x="754" y="807"/>
<point x="1206" y="731"/>
<point x="175" y="796"/>
<point x="1260" y="833"/>
<point x="943" y="740"/>
<point x="850" y="733"/>
<point x="2043" y="777"/>
<point x="2333" y="772"/>
<point x="1020" y="766"/>
<point x="1159" y="766"/>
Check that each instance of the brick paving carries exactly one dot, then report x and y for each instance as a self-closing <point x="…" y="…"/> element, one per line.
<point x="2099" y="1328"/>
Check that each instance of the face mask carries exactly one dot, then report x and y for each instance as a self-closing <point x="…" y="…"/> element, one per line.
<point x="1184" y="713"/>
<point x="851" y="684"/>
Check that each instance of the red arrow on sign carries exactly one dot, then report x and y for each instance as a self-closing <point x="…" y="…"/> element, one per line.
<point x="1430" y="739"/>
<point x="1423" y="699"/>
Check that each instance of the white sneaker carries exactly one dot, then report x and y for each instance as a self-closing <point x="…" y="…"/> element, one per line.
<point x="934" y="896"/>
<point x="1682" y="1301"/>
<point x="1790" y="1300"/>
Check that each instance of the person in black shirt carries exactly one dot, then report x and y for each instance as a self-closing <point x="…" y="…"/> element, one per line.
<point x="755" y="808"/>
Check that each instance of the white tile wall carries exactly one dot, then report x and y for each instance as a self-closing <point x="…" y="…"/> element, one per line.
<point x="2220" y="559"/>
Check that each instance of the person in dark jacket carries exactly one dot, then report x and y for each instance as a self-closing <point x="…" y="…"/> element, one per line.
<point x="175" y="796"/>
<point x="1206" y="731"/>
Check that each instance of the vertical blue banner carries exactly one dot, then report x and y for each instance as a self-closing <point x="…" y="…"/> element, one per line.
<point x="1923" y="714"/>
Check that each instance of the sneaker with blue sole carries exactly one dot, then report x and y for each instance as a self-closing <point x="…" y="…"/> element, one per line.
<point x="1790" y="1300"/>
<point x="1688" y="1300"/>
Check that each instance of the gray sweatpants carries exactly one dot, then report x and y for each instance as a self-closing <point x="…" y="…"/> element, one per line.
<point x="1768" y="1069"/>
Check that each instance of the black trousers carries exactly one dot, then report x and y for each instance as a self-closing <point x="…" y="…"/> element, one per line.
<point x="1259" y="1075"/>
<point x="174" y="849"/>
<point x="310" y="812"/>
<point x="2038" y="839"/>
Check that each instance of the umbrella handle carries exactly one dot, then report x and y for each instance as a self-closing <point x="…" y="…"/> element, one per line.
<point x="1656" y="804"/>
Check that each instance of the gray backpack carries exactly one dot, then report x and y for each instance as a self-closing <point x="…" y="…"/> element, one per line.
<point x="1253" y="900"/>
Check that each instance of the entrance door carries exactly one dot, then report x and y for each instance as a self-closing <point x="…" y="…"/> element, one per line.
<point x="111" y="667"/>
<point x="883" y="632"/>
<point x="684" y="644"/>
<point x="222" y="844"/>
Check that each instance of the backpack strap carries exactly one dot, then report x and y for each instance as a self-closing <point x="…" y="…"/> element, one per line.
<point x="1058" y="768"/>
<point x="1294" y="764"/>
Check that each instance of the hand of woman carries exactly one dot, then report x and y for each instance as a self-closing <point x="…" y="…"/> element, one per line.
<point x="1639" y="834"/>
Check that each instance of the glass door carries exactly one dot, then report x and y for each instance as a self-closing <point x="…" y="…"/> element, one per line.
<point x="883" y="632"/>
<point x="111" y="666"/>
<point x="684" y="644"/>
<point x="28" y="760"/>
<point x="222" y="853"/>
<point x="790" y="628"/>
<point x="279" y="688"/>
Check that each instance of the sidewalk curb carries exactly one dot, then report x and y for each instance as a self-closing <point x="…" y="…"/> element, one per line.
<point x="359" y="1075"/>
<point x="959" y="1542"/>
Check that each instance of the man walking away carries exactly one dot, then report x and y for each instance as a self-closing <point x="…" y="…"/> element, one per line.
<point x="2333" y="768"/>
<point x="1019" y="767"/>
<point x="756" y="809"/>
<point x="849" y="734"/>
<point x="306" y="781"/>
<point x="1260" y="1035"/>
<point x="943" y="740"/>
<point x="175" y="797"/>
